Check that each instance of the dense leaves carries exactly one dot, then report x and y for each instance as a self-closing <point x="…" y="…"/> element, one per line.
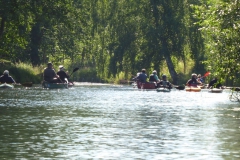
<point x="221" y="29"/>
<point x="123" y="36"/>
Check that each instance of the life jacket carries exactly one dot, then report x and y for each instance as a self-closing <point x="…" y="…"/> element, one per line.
<point x="192" y="82"/>
<point x="152" y="78"/>
<point x="164" y="83"/>
<point x="142" y="77"/>
<point x="6" y="79"/>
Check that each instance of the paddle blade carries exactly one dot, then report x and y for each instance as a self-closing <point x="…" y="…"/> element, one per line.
<point x="75" y="69"/>
<point x="206" y="74"/>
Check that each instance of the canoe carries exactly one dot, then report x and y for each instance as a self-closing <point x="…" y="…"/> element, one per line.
<point x="163" y="90"/>
<point x="54" y="85"/>
<point x="6" y="86"/>
<point x="192" y="89"/>
<point x="146" y="85"/>
<point x="215" y="90"/>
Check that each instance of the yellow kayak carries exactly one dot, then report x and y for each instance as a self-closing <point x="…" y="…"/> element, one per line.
<point x="192" y="89"/>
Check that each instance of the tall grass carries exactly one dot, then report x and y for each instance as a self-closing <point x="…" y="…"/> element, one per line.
<point x="22" y="72"/>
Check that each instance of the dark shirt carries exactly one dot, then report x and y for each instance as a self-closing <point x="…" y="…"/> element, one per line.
<point x="164" y="83"/>
<point x="62" y="75"/>
<point x="6" y="79"/>
<point x="49" y="74"/>
<point x="152" y="78"/>
<point x="213" y="83"/>
<point x="192" y="82"/>
<point x="142" y="77"/>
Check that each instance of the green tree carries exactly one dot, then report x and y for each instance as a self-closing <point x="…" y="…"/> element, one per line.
<point x="220" y="27"/>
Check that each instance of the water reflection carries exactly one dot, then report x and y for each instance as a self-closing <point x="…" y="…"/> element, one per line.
<point x="111" y="122"/>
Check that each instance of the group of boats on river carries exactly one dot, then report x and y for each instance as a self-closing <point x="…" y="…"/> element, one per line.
<point x="152" y="86"/>
<point x="140" y="82"/>
<point x="52" y="80"/>
<point x="193" y="85"/>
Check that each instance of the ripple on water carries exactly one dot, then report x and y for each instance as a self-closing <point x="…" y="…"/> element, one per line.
<point x="117" y="122"/>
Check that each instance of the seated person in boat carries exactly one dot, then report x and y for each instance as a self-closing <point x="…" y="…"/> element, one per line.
<point x="193" y="81"/>
<point x="62" y="74"/>
<point x="154" y="78"/>
<point x="142" y="77"/>
<point x="135" y="78"/>
<point x="6" y="78"/>
<point x="200" y="78"/>
<point x="50" y="75"/>
<point x="214" y="83"/>
<point x="164" y="83"/>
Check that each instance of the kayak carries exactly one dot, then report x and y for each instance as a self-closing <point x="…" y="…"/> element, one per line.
<point x="163" y="90"/>
<point x="146" y="85"/>
<point x="192" y="89"/>
<point x="6" y="86"/>
<point x="215" y="90"/>
<point x="55" y="85"/>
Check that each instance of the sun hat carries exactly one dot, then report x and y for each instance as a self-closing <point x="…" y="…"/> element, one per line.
<point x="61" y="67"/>
<point x="6" y="72"/>
<point x="194" y="75"/>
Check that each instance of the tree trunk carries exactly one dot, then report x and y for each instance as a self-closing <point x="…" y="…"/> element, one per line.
<point x="170" y="65"/>
<point x="36" y="37"/>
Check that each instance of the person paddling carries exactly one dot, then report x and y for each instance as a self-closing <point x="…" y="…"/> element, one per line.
<point x="142" y="77"/>
<point x="165" y="83"/>
<point x="62" y="74"/>
<point x="49" y="74"/>
<point x="215" y="84"/>
<point x="193" y="81"/>
<point x="6" y="78"/>
<point x="154" y="78"/>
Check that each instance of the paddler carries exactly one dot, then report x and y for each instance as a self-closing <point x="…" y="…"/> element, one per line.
<point x="62" y="74"/>
<point x="193" y="81"/>
<point x="142" y="77"/>
<point x="165" y="83"/>
<point x="214" y="83"/>
<point x="49" y="74"/>
<point x="154" y="78"/>
<point x="6" y="78"/>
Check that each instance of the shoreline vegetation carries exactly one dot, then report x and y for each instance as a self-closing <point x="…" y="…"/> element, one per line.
<point x="110" y="41"/>
<point x="25" y="73"/>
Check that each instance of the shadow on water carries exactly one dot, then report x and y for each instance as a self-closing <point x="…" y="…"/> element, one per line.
<point x="117" y="122"/>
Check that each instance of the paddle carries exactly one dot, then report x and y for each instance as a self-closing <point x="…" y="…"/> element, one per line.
<point x="75" y="69"/>
<point x="63" y="82"/>
<point x="181" y="87"/>
<point x="206" y="74"/>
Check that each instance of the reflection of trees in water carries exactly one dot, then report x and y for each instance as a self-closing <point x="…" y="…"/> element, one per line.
<point x="227" y="132"/>
<point x="235" y="95"/>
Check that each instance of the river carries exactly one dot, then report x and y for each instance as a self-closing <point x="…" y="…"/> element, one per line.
<point x="117" y="122"/>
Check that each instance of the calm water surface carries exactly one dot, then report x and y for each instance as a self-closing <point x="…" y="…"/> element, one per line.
<point x="118" y="122"/>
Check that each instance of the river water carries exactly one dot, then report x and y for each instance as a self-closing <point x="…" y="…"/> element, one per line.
<point x="117" y="122"/>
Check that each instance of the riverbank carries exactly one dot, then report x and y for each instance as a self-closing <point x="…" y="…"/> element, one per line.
<point x="21" y="72"/>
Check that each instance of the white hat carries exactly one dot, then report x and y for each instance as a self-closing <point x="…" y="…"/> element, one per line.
<point x="61" y="67"/>
<point x="6" y="72"/>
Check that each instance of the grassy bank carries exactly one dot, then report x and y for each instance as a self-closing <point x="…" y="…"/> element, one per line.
<point x="21" y="72"/>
